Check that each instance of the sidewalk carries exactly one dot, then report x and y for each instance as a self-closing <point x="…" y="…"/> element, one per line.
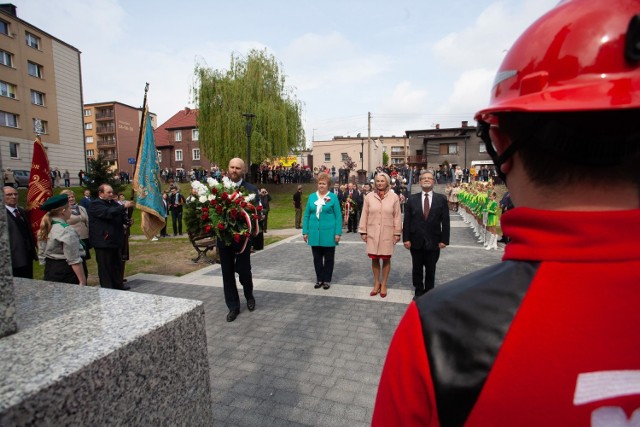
<point x="307" y="356"/>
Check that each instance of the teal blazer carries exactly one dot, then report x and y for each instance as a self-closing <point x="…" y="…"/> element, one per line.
<point x="322" y="231"/>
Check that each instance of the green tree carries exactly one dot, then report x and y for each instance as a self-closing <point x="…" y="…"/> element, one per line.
<point x="99" y="173"/>
<point x="256" y="85"/>
<point x="385" y="158"/>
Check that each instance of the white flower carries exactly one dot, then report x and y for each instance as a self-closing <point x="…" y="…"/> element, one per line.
<point x="210" y="197"/>
<point x="250" y="197"/>
<point x="212" y="182"/>
<point x="203" y="199"/>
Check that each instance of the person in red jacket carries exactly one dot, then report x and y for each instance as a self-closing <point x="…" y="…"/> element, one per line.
<point x="550" y="335"/>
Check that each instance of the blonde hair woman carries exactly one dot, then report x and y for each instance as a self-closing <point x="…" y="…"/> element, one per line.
<point x="79" y="220"/>
<point x="60" y="249"/>
<point x="381" y="228"/>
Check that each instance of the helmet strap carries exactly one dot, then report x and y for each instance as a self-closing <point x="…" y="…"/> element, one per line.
<point x="498" y="160"/>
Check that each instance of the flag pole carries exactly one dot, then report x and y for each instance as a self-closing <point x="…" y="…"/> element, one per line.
<point x="142" y="121"/>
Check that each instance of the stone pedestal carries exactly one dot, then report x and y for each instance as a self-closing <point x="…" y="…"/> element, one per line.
<point x="88" y="356"/>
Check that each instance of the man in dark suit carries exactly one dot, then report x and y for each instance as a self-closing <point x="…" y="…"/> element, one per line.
<point x="176" y="200"/>
<point x="23" y="249"/>
<point x="106" y="234"/>
<point x="425" y="231"/>
<point x="86" y="200"/>
<point x="354" y="194"/>
<point x="232" y="262"/>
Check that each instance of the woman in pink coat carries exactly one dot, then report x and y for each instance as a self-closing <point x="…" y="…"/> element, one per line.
<point x="381" y="227"/>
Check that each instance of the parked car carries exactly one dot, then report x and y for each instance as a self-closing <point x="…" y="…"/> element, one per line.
<point x="22" y="178"/>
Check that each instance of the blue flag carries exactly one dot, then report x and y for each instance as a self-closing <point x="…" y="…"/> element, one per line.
<point x="146" y="182"/>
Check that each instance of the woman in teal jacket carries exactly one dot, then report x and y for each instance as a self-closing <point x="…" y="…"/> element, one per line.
<point x="322" y="228"/>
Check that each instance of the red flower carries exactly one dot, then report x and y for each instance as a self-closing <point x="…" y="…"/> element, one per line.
<point x="234" y="213"/>
<point x="243" y="204"/>
<point x="220" y="226"/>
<point x="247" y="234"/>
<point x="205" y="209"/>
<point x="224" y="195"/>
<point x="214" y="202"/>
<point x="250" y="207"/>
<point x="207" y="228"/>
<point x="204" y="216"/>
<point x="326" y="199"/>
<point x="259" y="208"/>
<point x="214" y="190"/>
<point x="236" y="237"/>
<point x="238" y="201"/>
<point x="219" y="209"/>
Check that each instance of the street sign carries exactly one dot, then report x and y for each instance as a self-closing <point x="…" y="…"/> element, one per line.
<point x="132" y="161"/>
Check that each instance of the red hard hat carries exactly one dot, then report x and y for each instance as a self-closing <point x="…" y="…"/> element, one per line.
<point x="583" y="55"/>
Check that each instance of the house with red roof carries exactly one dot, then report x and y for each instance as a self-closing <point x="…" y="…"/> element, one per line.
<point x="177" y="143"/>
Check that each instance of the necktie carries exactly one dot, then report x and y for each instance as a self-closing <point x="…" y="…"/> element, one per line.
<point x="16" y="212"/>
<point x="426" y="205"/>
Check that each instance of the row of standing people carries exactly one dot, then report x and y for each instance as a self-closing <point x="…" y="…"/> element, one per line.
<point x="424" y="231"/>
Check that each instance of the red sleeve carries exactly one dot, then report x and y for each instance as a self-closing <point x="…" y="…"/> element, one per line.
<point x="405" y="393"/>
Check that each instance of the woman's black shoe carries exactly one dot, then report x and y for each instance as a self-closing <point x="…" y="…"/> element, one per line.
<point x="326" y="286"/>
<point x="317" y="285"/>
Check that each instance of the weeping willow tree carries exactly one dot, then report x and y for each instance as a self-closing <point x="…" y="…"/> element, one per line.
<point x="254" y="85"/>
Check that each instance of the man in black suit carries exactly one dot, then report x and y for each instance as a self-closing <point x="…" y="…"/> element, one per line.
<point x="176" y="200"/>
<point x="106" y="234"/>
<point x="232" y="262"/>
<point x="23" y="248"/>
<point x="86" y="200"/>
<point x="425" y="231"/>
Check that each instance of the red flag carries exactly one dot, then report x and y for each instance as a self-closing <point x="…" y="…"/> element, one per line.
<point x="39" y="186"/>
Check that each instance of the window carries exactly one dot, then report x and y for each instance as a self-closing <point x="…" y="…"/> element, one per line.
<point x="178" y="135"/>
<point x="34" y="69"/>
<point x="14" y="150"/>
<point x="482" y="148"/>
<point x="8" y="119"/>
<point x="344" y="156"/>
<point x="4" y="27"/>
<point x="88" y="126"/>
<point x="89" y="153"/>
<point x="37" y="98"/>
<point x="195" y="134"/>
<point x="8" y="90"/>
<point x="195" y="154"/>
<point x="159" y="154"/>
<point x="397" y="151"/>
<point x="87" y="112"/>
<point x="327" y="157"/>
<point x="448" y="148"/>
<point x="32" y="40"/>
<point x="178" y="155"/>
<point x="89" y="140"/>
<point x="6" y="58"/>
<point x="44" y="124"/>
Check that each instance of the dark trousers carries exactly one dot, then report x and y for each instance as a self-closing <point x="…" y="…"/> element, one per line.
<point x="176" y="218"/>
<point x="424" y="266"/>
<point x="352" y="222"/>
<point x="323" y="258"/>
<point x="232" y="263"/>
<point x="109" y="267"/>
<point x="57" y="270"/>
<point x="26" y="271"/>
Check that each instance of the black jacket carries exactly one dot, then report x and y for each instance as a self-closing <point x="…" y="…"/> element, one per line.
<point x="106" y="224"/>
<point x="427" y="233"/>
<point x="23" y="249"/>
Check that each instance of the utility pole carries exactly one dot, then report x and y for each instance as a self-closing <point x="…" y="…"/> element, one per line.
<point x="369" y="142"/>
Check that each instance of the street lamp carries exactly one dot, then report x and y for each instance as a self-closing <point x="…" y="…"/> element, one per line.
<point x="249" y="128"/>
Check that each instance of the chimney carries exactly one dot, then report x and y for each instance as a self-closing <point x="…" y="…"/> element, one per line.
<point x="437" y="125"/>
<point x="465" y="123"/>
<point x="10" y="9"/>
<point x="187" y="110"/>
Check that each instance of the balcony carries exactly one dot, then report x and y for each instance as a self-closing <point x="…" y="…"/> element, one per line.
<point x="105" y="129"/>
<point x="107" y="143"/>
<point x="420" y="160"/>
<point x="105" y="115"/>
<point x="108" y="155"/>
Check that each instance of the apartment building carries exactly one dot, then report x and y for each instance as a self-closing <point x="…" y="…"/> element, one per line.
<point x="112" y="129"/>
<point x="40" y="83"/>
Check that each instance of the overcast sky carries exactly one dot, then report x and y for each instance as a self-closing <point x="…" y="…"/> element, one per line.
<point x="412" y="64"/>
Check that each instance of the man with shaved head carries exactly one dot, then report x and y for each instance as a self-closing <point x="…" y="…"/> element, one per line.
<point x="232" y="262"/>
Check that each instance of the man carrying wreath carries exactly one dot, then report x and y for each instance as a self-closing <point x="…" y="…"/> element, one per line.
<point x="232" y="262"/>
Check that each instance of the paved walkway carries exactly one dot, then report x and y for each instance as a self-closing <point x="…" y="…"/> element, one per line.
<point x="307" y="356"/>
